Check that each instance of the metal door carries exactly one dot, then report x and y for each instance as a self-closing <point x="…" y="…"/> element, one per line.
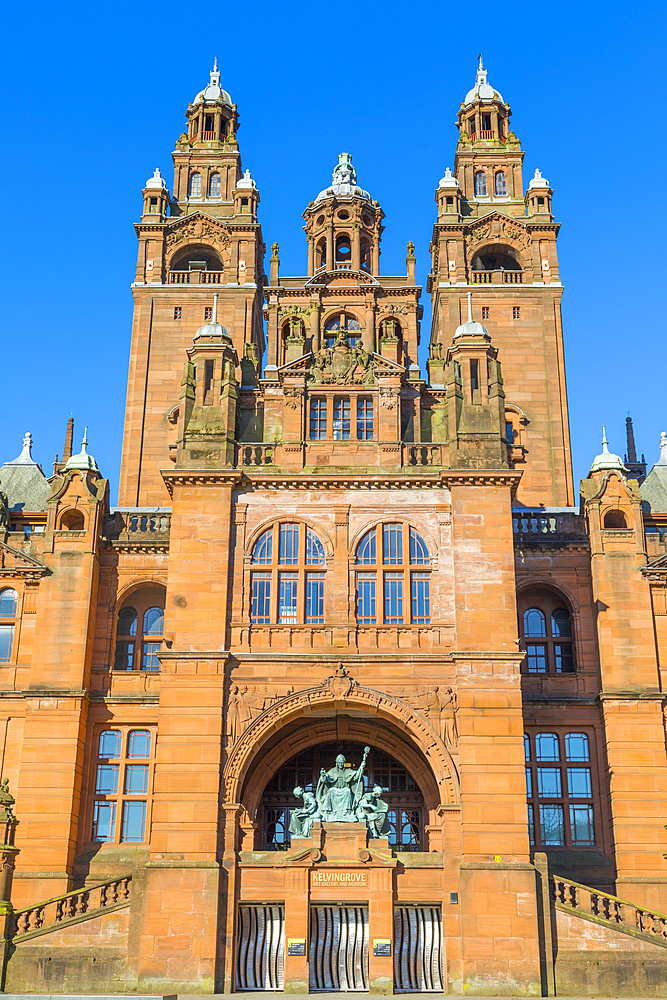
<point x="339" y="948"/>
<point x="418" y="949"/>
<point x="261" y="948"/>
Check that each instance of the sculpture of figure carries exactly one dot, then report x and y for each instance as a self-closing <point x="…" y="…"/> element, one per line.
<point x="447" y="706"/>
<point x="301" y="820"/>
<point x="374" y="811"/>
<point x="5" y="524"/>
<point x="339" y="790"/>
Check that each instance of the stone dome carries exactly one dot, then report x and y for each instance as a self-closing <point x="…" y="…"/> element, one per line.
<point x="156" y="181"/>
<point x="482" y="90"/>
<point x="213" y="92"/>
<point x="344" y="181"/>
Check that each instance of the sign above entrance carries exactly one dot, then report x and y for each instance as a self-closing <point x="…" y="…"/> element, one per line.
<point x="340" y="879"/>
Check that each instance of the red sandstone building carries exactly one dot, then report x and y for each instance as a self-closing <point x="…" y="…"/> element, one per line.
<point x="334" y="551"/>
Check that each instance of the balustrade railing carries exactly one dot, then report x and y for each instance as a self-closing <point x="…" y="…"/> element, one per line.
<point x="139" y="526"/>
<point x="540" y="527"/>
<point x="208" y="136"/>
<point x="618" y="913"/>
<point x="256" y="455"/>
<point x="497" y="277"/>
<point x="72" y="907"/>
<point x="421" y="454"/>
<point x="195" y="277"/>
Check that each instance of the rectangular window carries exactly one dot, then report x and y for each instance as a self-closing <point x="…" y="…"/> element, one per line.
<point x="261" y="599"/>
<point x="107" y="779"/>
<point x="318" y="419"/>
<point x="474" y="375"/>
<point x="581" y="826"/>
<point x="509" y="432"/>
<point x="392" y="540"/>
<point x="579" y="783"/>
<point x="315" y="598"/>
<point x="134" y="822"/>
<point x="6" y="643"/>
<point x="393" y="598"/>
<point x="536" y="657"/>
<point x="564" y="658"/>
<point x="124" y="659"/>
<point x="341" y="419"/>
<point x="485" y="312"/>
<point x="366" y="611"/>
<point x="287" y="599"/>
<point x="104" y="821"/>
<point x="177" y="312"/>
<point x="208" y="313"/>
<point x="516" y="312"/>
<point x="552" y="830"/>
<point x="149" y="658"/>
<point x="548" y="783"/>
<point x="364" y="419"/>
<point x="136" y="779"/>
<point x="421" y="598"/>
<point x="288" y="544"/>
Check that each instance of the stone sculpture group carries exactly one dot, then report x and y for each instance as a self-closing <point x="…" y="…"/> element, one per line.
<point x="340" y="798"/>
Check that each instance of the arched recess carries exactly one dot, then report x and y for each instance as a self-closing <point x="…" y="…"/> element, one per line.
<point x="266" y="523"/>
<point x="196" y="257"/>
<point x="306" y="717"/>
<point x="497" y="257"/>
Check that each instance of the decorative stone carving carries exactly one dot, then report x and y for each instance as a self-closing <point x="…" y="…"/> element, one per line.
<point x="244" y="704"/>
<point x="342" y="365"/>
<point x="291" y="397"/>
<point x="301" y="820"/>
<point x="389" y="398"/>
<point x="439" y="707"/>
<point x="340" y="790"/>
<point x="374" y="811"/>
<point x="197" y="229"/>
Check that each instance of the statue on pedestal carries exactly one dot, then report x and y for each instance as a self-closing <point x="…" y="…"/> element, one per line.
<point x="339" y="790"/>
<point x="374" y="811"/>
<point x="302" y="819"/>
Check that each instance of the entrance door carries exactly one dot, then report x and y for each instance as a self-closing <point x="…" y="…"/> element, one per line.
<point x="261" y="948"/>
<point x="418" y="949"/>
<point x="339" y="948"/>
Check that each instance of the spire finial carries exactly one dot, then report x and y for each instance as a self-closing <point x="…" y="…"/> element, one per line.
<point x="604" y="440"/>
<point x="481" y="64"/>
<point x="214" y="318"/>
<point x="470" y="307"/>
<point x="25" y="458"/>
<point x="215" y="64"/>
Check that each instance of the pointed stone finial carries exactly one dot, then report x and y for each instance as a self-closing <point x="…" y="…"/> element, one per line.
<point x="663" y="449"/>
<point x="606" y="460"/>
<point x="83" y="460"/>
<point x="470" y="307"/>
<point x="25" y="458"/>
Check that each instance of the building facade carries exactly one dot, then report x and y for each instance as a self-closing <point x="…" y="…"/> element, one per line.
<point x="319" y="548"/>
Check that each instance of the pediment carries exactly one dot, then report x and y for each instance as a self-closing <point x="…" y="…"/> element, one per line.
<point x="343" y="278"/>
<point x="499" y="226"/>
<point x="199" y="228"/>
<point x="342" y="365"/>
<point x="13" y="562"/>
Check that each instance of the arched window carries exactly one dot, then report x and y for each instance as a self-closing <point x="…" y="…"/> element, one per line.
<point x="546" y="633"/>
<point x="138" y="648"/>
<point x="72" y="520"/>
<point x="392" y="552"/>
<point x="214" y="186"/>
<point x="123" y="783"/>
<point x="344" y="322"/>
<point x="559" y="788"/>
<point x="615" y="520"/>
<point x="194" y="188"/>
<point x="480" y="184"/>
<point x="321" y="253"/>
<point x="343" y="251"/>
<point x="294" y="595"/>
<point x="365" y="255"/>
<point x="8" y="606"/>
<point x="500" y="182"/>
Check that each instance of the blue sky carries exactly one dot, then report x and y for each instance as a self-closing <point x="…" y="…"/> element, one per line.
<point x="93" y="98"/>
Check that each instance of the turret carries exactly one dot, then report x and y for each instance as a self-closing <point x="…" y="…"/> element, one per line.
<point x="538" y="199"/>
<point x="156" y="199"/>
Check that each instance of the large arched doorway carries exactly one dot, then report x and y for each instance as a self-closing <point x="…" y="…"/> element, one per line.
<point x="400" y="791"/>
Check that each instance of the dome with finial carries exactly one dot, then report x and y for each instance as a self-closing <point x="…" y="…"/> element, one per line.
<point x="344" y="181"/>
<point x="246" y="182"/>
<point x="449" y="180"/>
<point x="470" y="328"/>
<point x="214" y="92"/>
<point x="607" y="460"/>
<point x="83" y="460"/>
<point x="157" y="180"/>
<point x="538" y="181"/>
<point x="212" y="328"/>
<point x="482" y="91"/>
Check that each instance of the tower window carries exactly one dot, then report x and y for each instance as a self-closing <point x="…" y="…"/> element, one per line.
<point x="208" y="312"/>
<point x="177" y="312"/>
<point x="516" y="312"/>
<point x="214" y="186"/>
<point x="153" y="205"/>
<point x="501" y="182"/>
<point x="471" y="126"/>
<point x="344" y="322"/>
<point x="546" y="634"/>
<point x="450" y="200"/>
<point x="343" y="250"/>
<point x="480" y="184"/>
<point x="485" y="312"/>
<point x="540" y="201"/>
<point x="341" y="419"/>
<point x="318" y="418"/>
<point x="8" y="606"/>
<point x="486" y="123"/>
<point x="244" y="202"/>
<point x="194" y="190"/>
<point x="364" y="419"/>
<point x="389" y="582"/>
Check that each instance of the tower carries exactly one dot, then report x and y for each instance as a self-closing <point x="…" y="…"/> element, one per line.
<point x="202" y="239"/>
<point x="492" y="241"/>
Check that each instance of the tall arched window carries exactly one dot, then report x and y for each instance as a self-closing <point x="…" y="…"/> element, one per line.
<point x="123" y="784"/>
<point x="395" y="589"/>
<point x="214" y="186"/>
<point x="344" y="322"/>
<point x="480" y="184"/>
<point x="194" y="188"/>
<point x="559" y="788"/>
<point x="139" y="632"/>
<point x="290" y="589"/>
<point x="8" y="606"/>
<point x="343" y="251"/>
<point x="500" y="182"/>
<point x="546" y="631"/>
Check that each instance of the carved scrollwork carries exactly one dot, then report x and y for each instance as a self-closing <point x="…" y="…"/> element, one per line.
<point x="342" y="365"/>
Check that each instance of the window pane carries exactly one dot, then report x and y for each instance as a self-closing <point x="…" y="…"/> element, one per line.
<point x="480" y="184"/>
<point x="393" y="544"/>
<point x="563" y="658"/>
<point x="109" y="744"/>
<point x="124" y="659"/>
<point x="421" y="598"/>
<point x="149" y="656"/>
<point x="526" y="746"/>
<point x="107" y="779"/>
<point x="366" y="613"/>
<point x="287" y="599"/>
<point x="288" y="549"/>
<point x="214" y="186"/>
<point x="341" y="419"/>
<point x="261" y="598"/>
<point x="529" y="784"/>
<point x="534" y="623"/>
<point x="276" y="826"/>
<point x="314" y="549"/>
<point x="364" y="419"/>
<point x="409" y="829"/>
<point x="560" y="623"/>
<point x="6" y="643"/>
<point x="579" y="783"/>
<point x="315" y="598"/>
<point x="154" y="622"/>
<point x="127" y="622"/>
<point x="536" y="658"/>
<point x="262" y="554"/>
<point x="134" y="821"/>
<point x="551" y="825"/>
<point x="8" y="601"/>
<point x="195" y="185"/>
<point x="501" y="184"/>
<point x="136" y="779"/>
<point x="318" y="419"/>
<point x="367" y="549"/>
<point x="581" y="825"/>
<point x="393" y="598"/>
<point x="139" y="743"/>
<point x="576" y="746"/>
<point x="548" y="783"/>
<point x="418" y="550"/>
<point x="104" y="820"/>
<point x="531" y="825"/>
<point x="546" y="746"/>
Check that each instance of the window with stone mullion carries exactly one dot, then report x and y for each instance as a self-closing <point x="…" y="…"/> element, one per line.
<point x="288" y="576"/>
<point x="393" y="577"/>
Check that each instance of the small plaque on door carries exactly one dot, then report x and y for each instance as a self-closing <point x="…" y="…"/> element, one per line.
<point x="296" y="946"/>
<point x="381" y="947"/>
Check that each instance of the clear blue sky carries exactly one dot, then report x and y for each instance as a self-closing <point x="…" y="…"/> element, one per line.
<point x="93" y="98"/>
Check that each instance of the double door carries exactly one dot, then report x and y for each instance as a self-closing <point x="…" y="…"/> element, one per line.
<point x="339" y="949"/>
